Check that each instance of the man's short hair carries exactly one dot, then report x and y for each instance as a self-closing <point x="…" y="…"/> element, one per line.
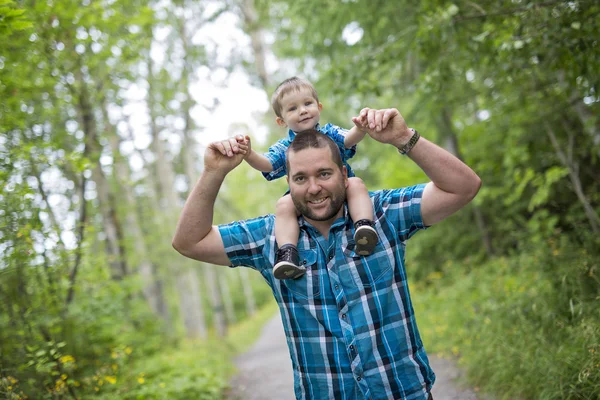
<point x="312" y="138"/>
<point x="290" y="85"/>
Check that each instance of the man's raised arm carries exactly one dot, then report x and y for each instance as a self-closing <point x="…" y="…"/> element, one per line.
<point x="195" y="236"/>
<point x="453" y="184"/>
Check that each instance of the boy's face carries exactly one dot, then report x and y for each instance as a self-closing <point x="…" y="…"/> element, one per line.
<point x="299" y="110"/>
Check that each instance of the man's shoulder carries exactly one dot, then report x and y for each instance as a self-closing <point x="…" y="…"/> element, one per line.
<point x="267" y="221"/>
<point x="398" y="194"/>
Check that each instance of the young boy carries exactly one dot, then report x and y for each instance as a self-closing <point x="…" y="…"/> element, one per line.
<point x="297" y="107"/>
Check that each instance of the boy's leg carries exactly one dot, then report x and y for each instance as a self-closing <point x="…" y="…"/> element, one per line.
<point x="287" y="260"/>
<point x="361" y="211"/>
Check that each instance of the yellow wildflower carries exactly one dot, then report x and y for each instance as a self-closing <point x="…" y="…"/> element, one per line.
<point x="141" y="380"/>
<point x="111" y="379"/>
<point x="128" y="350"/>
<point x="66" y="359"/>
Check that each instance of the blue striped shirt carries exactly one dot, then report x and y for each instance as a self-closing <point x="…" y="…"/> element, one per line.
<point x="276" y="153"/>
<point x="349" y="321"/>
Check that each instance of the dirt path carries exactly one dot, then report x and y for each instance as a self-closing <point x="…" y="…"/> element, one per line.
<point x="265" y="371"/>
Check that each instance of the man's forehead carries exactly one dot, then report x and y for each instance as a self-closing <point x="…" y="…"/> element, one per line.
<point x="310" y="159"/>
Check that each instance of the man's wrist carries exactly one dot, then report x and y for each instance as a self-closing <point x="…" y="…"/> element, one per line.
<point x="407" y="146"/>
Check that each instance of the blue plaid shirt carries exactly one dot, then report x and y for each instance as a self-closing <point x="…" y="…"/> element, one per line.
<point x="276" y="153"/>
<point x="349" y="320"/>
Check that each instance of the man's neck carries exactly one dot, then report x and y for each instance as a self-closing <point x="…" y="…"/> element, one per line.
<point x="324" y="226"/>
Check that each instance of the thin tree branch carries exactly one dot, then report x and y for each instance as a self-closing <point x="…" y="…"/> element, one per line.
<point x="80" y="237"/>
<point x="507" y="12"/>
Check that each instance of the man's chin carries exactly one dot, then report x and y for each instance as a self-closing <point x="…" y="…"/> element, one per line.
<point x="324" y="215"/>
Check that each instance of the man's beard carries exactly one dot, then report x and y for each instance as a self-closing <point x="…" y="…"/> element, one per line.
<point x="337" y="199"/>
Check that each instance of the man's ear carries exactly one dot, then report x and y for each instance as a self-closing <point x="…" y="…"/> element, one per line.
<point x="280" y="122"/>
<point x="345" y="175"/>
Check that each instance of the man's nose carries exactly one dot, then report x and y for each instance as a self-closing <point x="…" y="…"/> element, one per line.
<point x="313" y="186"/>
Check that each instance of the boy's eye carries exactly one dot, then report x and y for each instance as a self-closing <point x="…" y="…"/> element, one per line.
<point x="292" y="108"/>
<point x="308" y="103"/>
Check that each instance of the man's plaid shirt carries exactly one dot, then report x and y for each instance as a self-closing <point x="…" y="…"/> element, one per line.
<point x="349" y="320"/>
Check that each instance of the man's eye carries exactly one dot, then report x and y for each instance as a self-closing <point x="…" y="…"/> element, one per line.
<point x="299" y="179"/>
<point x="325" y="174"/>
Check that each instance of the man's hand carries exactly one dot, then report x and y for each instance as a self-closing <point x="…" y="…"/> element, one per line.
<point x="385" y="126"/>
<point x="227" y="154"/>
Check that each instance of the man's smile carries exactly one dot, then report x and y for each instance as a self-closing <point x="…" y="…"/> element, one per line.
<point x="317" y="201"/>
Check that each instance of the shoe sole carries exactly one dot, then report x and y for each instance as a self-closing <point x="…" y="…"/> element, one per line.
<point x="288" y="271"/>
<point x="366" y="239"/>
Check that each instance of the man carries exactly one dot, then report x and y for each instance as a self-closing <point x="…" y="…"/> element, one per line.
<point x="349" y="320"/>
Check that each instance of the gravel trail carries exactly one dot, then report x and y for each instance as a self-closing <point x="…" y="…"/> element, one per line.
<point x="265" y="371"/>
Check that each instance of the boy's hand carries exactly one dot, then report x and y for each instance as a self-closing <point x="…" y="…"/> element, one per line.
<point x="245" y="144"/>
<point x="361" y="123"/>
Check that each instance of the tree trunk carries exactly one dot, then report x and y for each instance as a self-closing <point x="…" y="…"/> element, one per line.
<point x="190" y="303"/>
<point x="227" y="299"/>
<point x="189" y="154"/>
<point x="151" y="289"/>
<point x="210" y="276"/>
<point x="252" y="28"/>
<point x="573" y="170"/>
<point x="187" y="284"/>
<point x="248" y="293"/>
<point x="451" y="144"/>
<point x="112" y="226"/>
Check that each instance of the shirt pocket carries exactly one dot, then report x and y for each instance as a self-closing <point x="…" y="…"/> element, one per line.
<point x="369" y="271"/>
<point x="308" y="285"/>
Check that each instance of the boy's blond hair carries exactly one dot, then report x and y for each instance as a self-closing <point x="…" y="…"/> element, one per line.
<point x="289" y="85"/>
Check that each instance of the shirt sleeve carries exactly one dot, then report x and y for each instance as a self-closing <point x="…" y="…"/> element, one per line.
<point x="403" y="208"/>
<point x="338" y="135"/>
<point x="276" y="155"/>
<point x="246" y="242"/>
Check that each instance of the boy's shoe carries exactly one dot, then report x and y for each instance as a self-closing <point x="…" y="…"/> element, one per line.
<point x="287" y="263"/>
<point x="365" y="236"/>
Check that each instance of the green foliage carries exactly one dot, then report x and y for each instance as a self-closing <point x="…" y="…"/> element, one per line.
<point x="510" y="318"/>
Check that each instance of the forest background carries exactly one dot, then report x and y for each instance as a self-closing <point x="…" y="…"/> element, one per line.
<point x="94" y="302"/>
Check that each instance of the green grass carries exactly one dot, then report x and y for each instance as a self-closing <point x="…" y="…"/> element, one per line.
<point x="198" y="370"/>
<point x="526" y="327"/>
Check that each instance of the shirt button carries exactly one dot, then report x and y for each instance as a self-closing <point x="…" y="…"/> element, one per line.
<point x="330" y="257"/>
<point x="337" y="287"/>
<point x="344" y="316"/>
<point x="352" y="347"/>
<point x="358" y="379"/>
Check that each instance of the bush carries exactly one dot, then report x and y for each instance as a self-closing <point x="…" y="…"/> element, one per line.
<point x="527" y="326"/>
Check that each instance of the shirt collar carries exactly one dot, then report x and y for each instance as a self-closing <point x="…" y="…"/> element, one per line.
<point x="292" y="134"/>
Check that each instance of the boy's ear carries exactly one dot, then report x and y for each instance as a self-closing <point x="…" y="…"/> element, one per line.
<point x="280" y="122"/>
<point x="320" y="107"/>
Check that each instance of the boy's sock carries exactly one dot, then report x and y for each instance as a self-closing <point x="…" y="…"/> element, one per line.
<point x="287" y="263"/>
<point x="365" y="236"/>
